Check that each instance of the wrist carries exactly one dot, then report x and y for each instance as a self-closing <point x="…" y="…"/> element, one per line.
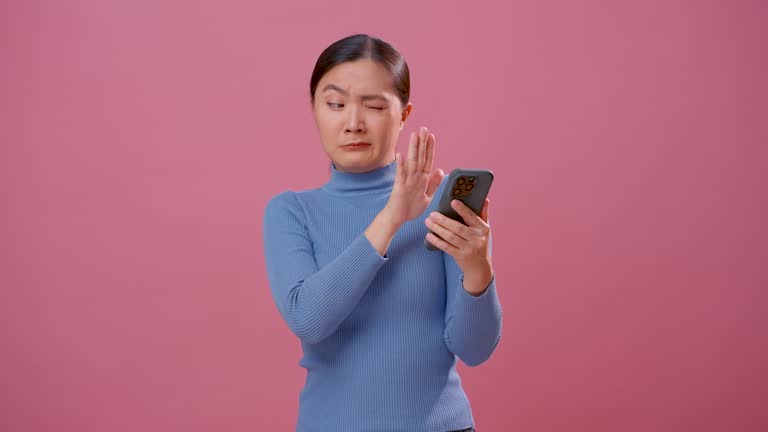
<point x="477" y="279"/>
<point x="387" y="216"/>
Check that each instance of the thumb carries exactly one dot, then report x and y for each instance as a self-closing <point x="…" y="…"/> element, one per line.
<point x="434" y="181"/>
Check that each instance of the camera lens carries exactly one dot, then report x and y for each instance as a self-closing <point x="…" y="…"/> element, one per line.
<point x="469" y="186"/>
<point x="460" y="181"/>
<point x="456" y="192"/>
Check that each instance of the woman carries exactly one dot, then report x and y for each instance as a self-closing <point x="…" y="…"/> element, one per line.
<point x="381" y="319"/>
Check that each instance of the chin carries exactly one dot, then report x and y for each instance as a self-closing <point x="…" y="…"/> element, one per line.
<point x="356" y="164"/>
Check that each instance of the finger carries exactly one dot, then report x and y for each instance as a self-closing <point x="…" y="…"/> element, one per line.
<point x="442" y="244"/>
<point x="410" y="166"/>
<point x="423" y="138"/>
<point x="449" y="229"/>
<point x="466" y="213"/>
<point x="434" y="182"/>
<point x="399" y="173"/>
<point x="430" y="153"/>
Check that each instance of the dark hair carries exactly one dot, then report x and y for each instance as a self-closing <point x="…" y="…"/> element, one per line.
<point x="363" y="46"/>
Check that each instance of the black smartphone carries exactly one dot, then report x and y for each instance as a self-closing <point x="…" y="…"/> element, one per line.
<point x="470" y="186"/>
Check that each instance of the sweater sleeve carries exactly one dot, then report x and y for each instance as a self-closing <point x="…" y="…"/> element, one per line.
<point x="313" y="301"/>
<point x="472" y="323"/>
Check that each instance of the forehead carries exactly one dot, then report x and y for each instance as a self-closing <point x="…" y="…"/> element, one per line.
<point x="357" y="77"/>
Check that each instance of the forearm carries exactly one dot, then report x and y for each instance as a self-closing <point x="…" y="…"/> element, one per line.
<point x="316" y="305"/>
<point x="473" y="328"/>
<point x="312" y="300"/>
<point x="473" y="322"/>
<point x="331" y="294"/>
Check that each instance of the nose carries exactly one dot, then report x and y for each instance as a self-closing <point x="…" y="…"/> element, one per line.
<point x="355" y="119"/>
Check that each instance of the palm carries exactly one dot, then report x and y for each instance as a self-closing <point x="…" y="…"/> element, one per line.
<point x="415" y="182"/>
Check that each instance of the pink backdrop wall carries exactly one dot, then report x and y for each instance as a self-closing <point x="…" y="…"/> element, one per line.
<point x="142" y="139"/>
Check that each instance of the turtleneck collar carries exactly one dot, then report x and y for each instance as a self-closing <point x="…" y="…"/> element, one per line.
<point x="378" y="180"/>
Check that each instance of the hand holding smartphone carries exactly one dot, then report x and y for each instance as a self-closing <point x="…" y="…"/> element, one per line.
<point x="470" y="186"/>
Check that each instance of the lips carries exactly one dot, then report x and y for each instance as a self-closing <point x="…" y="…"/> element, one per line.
<point x="357" y="144"/>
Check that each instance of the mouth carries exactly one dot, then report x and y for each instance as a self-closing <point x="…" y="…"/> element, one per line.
<point x="356" y="145"/>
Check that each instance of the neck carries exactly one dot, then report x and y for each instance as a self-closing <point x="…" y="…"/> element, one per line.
<point x="376" y="181"/>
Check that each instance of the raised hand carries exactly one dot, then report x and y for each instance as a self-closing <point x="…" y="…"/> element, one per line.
<point x="415" y="181"/>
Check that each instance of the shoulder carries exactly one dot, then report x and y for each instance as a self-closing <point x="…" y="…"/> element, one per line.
<point x="280" y="206"/>
<point x="284" y="205"/>
<point x="283" y="198"/>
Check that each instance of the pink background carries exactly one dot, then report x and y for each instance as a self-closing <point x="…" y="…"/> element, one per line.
<point x="142" y="139"/>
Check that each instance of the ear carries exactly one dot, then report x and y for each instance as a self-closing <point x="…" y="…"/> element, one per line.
<point x="406" y="112"/>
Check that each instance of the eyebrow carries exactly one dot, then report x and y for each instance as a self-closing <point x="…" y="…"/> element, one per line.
<point x="342" y="91"/>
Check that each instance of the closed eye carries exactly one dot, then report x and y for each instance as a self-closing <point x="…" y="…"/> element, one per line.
<point x="338" y="105"/>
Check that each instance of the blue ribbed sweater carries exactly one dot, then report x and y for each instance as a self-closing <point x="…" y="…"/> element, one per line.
<point x="380" y="334"/>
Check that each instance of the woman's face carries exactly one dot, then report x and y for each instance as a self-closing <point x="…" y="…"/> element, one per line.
<point x="356" y="102"/>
